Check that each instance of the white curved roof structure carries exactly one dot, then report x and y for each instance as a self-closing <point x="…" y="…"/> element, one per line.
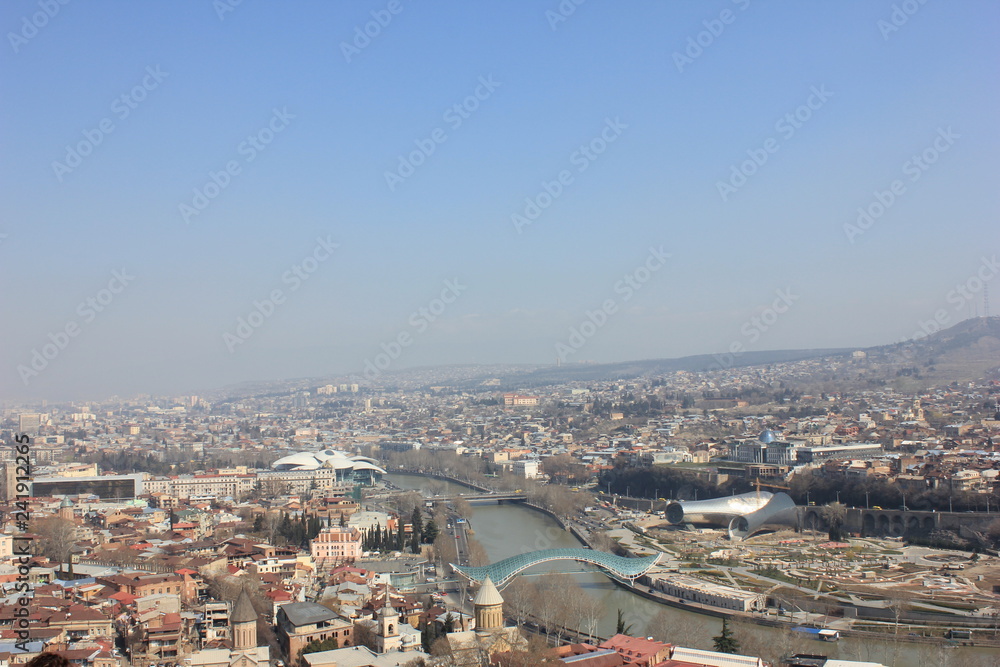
<point x="327" y="458"/>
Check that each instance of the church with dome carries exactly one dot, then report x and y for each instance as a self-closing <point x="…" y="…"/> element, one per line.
<point x="244" y="651"/>
<point x="489" y="635"/>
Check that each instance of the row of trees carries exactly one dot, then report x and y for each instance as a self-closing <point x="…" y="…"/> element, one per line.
<point x="282" y="528"/>
<point x="169" y="462"/>
<point x="665" y="482"/>
<point x="668" y="482"/>
<point x="377" y="538"/>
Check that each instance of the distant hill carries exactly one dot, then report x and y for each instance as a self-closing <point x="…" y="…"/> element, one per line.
<point x="967" y="351"/>
<point x="624" y="370"/>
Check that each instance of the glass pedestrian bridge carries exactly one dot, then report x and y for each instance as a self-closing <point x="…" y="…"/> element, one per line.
<point x="501" y="572"/>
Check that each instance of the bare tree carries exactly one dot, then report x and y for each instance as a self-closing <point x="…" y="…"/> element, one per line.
<point x="519" y="599"/>
<point x="834" y="514"/>
<point x="364" y="635"/>
<point x="404" y="503"/>
<point x="274" y="488"/>
<point x="563" y="588"/>
<point x="536" y="653"/>
<point x="754" y="642"/>
<point x="441" y="649"/>
<point x="547" y="609"/>
<point x="601" y="542"/>
<point x="896" y="604"/>
<point x="57" y="538"/>
<point x="462" y="507"/>
<point x="271" y="525"/>
<point x="444" y="548"/>
<point x="477" y="553"/>
<point x="588" y="613"/>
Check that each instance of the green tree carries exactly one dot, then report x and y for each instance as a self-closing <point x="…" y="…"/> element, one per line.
<point x="416" y="522"/>
<point x="725" y="642"/>
<point x="430" y="532"/>
<point x="620" y="627"/>
<point x="315" y="646"/>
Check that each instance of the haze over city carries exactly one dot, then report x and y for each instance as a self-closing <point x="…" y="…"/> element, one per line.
<point x="198" y="194"/>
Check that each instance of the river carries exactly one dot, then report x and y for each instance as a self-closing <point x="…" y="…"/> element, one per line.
<point x="506" y="530"/>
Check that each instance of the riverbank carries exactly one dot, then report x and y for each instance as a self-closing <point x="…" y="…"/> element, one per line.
<point x="507" y="530"/>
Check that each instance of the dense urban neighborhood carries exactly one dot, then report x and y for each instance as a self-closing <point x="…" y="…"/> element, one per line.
<point x="757" y="511"/>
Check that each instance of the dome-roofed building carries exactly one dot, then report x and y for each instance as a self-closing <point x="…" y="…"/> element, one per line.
<point x="243" y="634"/>
<point x="348" y="467"/>
<point x="244" y="622"/>
<point x="490" y="636"/>
<point x="488" y="606"/>
<point x="767" y="436"/>
<point x="66" y="509"/>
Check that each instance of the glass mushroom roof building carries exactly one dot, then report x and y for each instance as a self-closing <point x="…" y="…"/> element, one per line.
<point x="347" y="467"/>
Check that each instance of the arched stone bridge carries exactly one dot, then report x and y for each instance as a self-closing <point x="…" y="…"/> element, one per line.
<point x="896" y="523"/>
<point x="502" y="572"/>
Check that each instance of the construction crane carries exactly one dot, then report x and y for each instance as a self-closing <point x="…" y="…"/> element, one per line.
<point x="758" y="484"/>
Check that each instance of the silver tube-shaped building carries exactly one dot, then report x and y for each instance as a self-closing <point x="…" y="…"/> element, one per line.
<point x="716" y="511"/>
<point x="778" y="511"/>
<point x="742" y="515"/>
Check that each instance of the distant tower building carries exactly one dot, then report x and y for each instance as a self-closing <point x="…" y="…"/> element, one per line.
<point x="488" y="607"/>
<point x="8" y="480"/>
<point x="915" y="413"/>
<point x="388" y="628"/>
<point x="29" y="423"/>
<point x="244" y="623"/>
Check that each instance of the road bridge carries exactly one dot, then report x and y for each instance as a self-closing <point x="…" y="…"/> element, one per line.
<point x="500" y="498"/>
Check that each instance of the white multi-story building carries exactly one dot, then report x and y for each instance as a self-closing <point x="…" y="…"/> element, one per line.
<point x="707" y="592"/>
<point x="527" y="468"/>
<point x="214" y="486"/>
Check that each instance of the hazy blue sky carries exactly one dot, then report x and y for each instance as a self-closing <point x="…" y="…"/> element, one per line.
<point x="198" y="81"/>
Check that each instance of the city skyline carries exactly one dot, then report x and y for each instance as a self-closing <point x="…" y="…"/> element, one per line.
<point x="206" y="194"/>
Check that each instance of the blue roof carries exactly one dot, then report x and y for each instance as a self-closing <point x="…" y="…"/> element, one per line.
<point x="503" y="571"/>
<point x="766" y="436"/>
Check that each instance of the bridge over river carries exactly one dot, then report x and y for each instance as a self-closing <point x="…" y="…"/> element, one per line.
<point x="499" y="498"/>
<point x="504" y="571"/>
